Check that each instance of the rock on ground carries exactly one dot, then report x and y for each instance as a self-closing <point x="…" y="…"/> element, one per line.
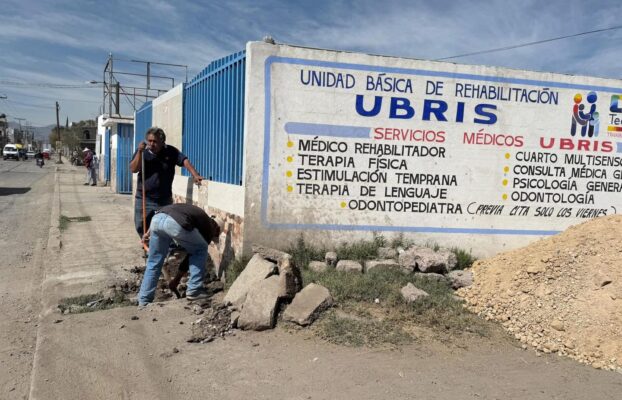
<point x="318" y="266"/>
<point x="425" y="259"/>
<point x="255" y="271"/>
<point x="308" y="304"/>
<point x="349" y="266"/>
<point x="259" y="309"/>
<point x="411" y="293"/>
<point x="331" y="259"/>
<point x="290" y="278"/>
<point x="269" y="253"/>
<point x="381" y="264"/>
<point x="430" y="276"/>
<point x="460" y="279"/>
<point x="387" y="253"/>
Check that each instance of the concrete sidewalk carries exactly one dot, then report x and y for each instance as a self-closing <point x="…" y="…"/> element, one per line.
<point x="91" y="252"/>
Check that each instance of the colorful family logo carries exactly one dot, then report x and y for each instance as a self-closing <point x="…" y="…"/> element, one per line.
<point x="615" y="103"/>
<point x="588" y="121"/>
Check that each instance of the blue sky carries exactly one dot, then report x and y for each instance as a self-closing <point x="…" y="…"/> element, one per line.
<point x="67" y="42"/>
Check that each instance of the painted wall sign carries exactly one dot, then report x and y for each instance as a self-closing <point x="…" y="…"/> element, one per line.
<point x="366" y="143"/>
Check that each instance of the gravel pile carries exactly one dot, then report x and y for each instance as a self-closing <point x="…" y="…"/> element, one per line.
<point x="559" y="295"/>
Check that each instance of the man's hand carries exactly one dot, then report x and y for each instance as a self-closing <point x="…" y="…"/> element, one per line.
<point x="197" y="179"/>
<point x="142" y="146"/>
<point x="146" y="238"/>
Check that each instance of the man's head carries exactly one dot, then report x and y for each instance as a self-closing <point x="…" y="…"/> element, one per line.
<point x="155" y="138"/>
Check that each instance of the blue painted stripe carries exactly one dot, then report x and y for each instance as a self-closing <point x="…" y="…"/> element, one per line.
<point x="619" y="147"/>
<point x="421" y="229"/>
<point x="302" y="128"/>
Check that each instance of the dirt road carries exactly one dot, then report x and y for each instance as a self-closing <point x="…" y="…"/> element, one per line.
<point x="25" y="197"/>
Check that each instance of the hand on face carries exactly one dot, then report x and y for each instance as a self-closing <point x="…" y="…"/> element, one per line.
<point x="154" y="144"/>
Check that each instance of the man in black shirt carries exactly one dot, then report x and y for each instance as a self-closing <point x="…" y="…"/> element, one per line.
<point x="190" y="227"/>
<point x="160" y="161"/>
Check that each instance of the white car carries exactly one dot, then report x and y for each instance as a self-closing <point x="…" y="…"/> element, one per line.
<point x="10" y="151"/>
<point x="30" y="153"/>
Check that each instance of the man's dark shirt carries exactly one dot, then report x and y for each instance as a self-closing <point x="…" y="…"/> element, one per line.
<point x="190" y="217"/>
<point x="159" y="172"/>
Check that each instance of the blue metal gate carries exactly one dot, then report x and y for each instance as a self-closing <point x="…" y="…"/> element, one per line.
<point x="213" y="124"/>
<point x="125" y="149"/>
<point x="107" y="155"/>
<point x="142" y="122"/>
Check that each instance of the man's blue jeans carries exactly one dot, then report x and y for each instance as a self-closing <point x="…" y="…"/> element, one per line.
<point x="164" y="230"/>
<point x="150" y="205"/>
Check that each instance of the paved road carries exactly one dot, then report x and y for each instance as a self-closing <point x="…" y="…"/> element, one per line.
<point x="25" y="200"/>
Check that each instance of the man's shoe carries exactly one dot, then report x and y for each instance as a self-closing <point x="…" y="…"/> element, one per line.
<point x="93" y="184"/>
<point x="85" y="184"/>
<point x="200" y="295"/>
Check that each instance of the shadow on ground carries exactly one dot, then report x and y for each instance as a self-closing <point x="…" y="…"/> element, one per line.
<point x="5" y="191"/>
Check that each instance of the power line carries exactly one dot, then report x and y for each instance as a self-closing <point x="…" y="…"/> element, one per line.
<point x="530" y="43"/>
<point x="48" y="85"/>
<point x="28" y="105"/>
<point x="61" y="99"/>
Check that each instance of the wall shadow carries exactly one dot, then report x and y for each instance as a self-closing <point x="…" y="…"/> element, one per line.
<point x="6" y="191"/>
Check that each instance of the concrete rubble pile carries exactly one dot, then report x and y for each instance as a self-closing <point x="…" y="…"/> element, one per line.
<point x="418" y="261"/>
<point x="559" y="295"/>
<point x="269" y="281"/>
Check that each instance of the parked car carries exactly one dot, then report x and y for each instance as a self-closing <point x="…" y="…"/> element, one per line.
<point x="30" y="154"/>
<point x="46" y="154"/>
<point x="10" y="151"/>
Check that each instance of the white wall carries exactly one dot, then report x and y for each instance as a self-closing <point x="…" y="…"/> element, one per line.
<point x="168" y="114"/>
<point x="459" y="188"/>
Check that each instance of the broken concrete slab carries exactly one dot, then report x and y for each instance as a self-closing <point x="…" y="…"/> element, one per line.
<point x="331" y="259"/>
<point x="381" y="264"/>
<point x="349" y="266"/>
<point x="430" y="276"/>
<point x="459" y="279"/>
<point x="269" y="254"/>
<point x="425" y="259"/>
<point x="290" y="278"/>
<point x="255" y="271"/>
<point x="318" y="266"/>
<point x="386" y="253"/>
<point x="260" y="307"/>
<point x="308" y="304"/>
<point x="411" y="293"/>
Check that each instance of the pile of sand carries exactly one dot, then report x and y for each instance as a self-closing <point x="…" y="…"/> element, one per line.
<point x="560" y="295"/>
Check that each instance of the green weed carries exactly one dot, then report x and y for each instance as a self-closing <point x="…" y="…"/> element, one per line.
<point x="63" y="221"/>
<point x="92" y="302"/>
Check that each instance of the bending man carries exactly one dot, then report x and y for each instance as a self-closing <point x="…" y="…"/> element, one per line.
<point x="190" y="227"/>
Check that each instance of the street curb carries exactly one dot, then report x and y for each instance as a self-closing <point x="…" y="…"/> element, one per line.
<point x="54" y="238"/>
<point x="52" y="252"/>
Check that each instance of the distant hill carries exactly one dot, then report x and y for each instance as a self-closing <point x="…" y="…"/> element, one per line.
<point x="41" y="132"/>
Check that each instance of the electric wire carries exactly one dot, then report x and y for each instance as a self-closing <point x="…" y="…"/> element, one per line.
<point x="516" y="46"/>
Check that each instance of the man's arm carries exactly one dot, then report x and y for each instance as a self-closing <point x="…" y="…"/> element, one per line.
<point x="136" y="162"/>
<point x="195" y="175"/>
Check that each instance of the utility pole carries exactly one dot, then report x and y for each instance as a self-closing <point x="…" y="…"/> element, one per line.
<point x="58" y="130"/>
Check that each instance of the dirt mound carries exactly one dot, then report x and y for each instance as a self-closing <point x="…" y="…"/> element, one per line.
<point x="562" y="294"/>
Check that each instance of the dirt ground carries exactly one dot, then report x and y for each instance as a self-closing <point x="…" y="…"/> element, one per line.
<point x="24" y="215"/>
<point x="108" y="354"/>
<point x="127" y="353"/>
